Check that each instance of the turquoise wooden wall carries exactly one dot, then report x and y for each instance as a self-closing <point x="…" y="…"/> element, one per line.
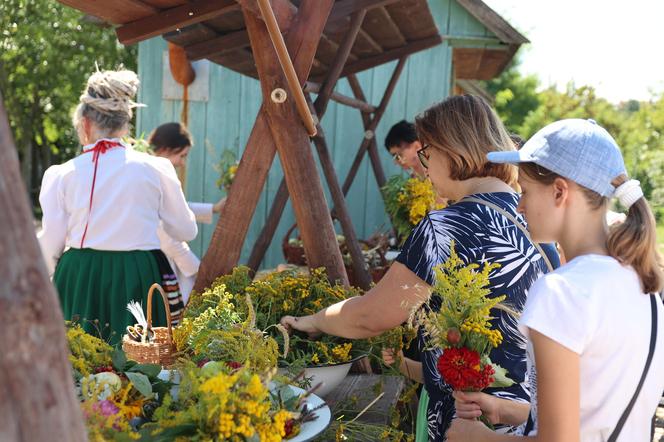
<point x="226" y="119"/>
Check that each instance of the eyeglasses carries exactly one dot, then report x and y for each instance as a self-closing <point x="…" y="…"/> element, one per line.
<point x="423" y="156"/>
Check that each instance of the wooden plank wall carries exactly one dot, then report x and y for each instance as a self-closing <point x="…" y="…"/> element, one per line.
<point x="225" y="121"/>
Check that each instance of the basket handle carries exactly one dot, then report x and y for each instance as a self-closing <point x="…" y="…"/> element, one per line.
<point x="284" y="242"/>
<point x="164" y="297"/>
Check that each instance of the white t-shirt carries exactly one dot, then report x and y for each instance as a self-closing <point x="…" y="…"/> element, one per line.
<point x="595" y="307"/>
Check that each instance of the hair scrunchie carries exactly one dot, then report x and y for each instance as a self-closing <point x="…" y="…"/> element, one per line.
<point x="628" y="193"/>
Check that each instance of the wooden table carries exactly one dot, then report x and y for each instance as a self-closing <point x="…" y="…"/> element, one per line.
<point x="358" y="390"/>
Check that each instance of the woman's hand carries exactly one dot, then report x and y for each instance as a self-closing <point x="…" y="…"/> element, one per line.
<point x="305" y="324"/>
<point x="216" y="208"/>
<point x="472" y="405"/>
<point x="390" y="357"/>
<point x="463" y="430"/>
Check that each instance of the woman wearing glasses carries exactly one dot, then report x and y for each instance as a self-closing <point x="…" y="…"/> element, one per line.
<point x="484" y="226"/>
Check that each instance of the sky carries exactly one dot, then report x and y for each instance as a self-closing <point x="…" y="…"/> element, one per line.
<point x="613" y="45"/>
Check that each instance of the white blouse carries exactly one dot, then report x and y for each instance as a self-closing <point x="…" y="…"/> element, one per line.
<point x="133" y="193"/>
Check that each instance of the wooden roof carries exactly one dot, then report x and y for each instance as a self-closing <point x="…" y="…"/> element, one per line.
<point x="215" y="29"/>
<point x="485" y="63"/>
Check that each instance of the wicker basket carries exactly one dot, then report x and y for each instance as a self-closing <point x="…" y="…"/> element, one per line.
<point x="293" y="254"/>
<point x="161" y="350"/>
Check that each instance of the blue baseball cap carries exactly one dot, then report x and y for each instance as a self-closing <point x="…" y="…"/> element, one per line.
<point x="579" y="150"/>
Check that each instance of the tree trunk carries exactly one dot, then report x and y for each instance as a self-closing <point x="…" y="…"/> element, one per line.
<point x="37" y="400"/>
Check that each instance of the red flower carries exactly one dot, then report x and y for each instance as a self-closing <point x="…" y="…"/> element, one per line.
<point x="234" y="365"/>
<point x="461" y="369"/>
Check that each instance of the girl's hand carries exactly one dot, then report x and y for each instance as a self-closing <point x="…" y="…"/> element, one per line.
<point x="216" y="208"/>
<point x="472" y="405"/>
<point x="301" y="323"/>
<point x="466" y="430"/>
<point x="390" y="356"/>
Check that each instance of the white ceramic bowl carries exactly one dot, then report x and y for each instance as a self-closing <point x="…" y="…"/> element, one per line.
<point x="171" y="376"/>
<point x="330" y="376"/>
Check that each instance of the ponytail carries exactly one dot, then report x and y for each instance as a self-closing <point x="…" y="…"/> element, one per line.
<point x="634" y="243"/>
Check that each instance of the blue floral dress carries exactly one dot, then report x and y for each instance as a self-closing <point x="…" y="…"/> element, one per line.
<point x="480" y="234"/>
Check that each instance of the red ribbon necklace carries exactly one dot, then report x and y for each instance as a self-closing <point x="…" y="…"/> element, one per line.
<point x="100" y="148"/>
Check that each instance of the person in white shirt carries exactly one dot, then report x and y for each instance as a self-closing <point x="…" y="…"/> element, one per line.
<point x="101" y="212"/>
<point x="595" y="326"/>
<point x="173" y="142"/>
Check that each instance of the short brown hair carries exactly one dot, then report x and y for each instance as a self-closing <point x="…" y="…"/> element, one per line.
<point x="173" y="137"/>
<point x="465" y="128"/>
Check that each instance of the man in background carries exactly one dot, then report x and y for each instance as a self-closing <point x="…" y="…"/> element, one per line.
<point x="402" y="143"/>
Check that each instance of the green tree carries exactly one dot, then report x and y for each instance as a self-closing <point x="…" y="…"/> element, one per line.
<point x="575" y="102"/>
<point x="515" y="96"/>
<point x="47" y="51"/>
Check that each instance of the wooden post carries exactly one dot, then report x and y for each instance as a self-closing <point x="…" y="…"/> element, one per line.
<point x="292" y="141"/>
<point x="226" y="244"/>
<point x="281" y="197"/>
<point x="37" y="399"/>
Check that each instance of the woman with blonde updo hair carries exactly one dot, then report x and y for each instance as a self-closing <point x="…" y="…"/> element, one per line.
<point x="101" y="212"/>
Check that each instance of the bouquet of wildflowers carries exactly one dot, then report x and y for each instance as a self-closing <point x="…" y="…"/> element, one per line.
<point x="407" y="201"/>
<point x="462" y="327"/>
<point x="227" y="167"/>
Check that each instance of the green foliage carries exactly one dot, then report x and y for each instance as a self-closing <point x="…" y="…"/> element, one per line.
<point x="47" y="51"/>
<point x="638" y="127"/>
<point x="515" y="96"/>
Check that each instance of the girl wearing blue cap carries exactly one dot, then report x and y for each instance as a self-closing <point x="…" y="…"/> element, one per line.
<point x="594" y="326"/>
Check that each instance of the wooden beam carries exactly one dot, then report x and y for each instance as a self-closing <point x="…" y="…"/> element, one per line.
<point x="370" y="41"/>
<point x="297" y="161"/>
<point x="344" y="8"/>
<point x="393" y="54"/>
<point x="339" y="62"/>
<point x="218" y="45"/>
<point x="493" y="21"/>
<point x="37" y="398"/>
<point x="226" y="245"/>
<point x="174" y="18"/>
<point x="116" y="11"/>
<point x="342" y="99"/>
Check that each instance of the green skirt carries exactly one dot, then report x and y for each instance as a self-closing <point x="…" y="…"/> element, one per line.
<point x="95" y="286"/>
<point x="421" y="431"/>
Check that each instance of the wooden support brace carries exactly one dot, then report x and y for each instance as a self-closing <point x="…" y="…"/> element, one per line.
<point x="360" y="105"/>
<point x="374" y="156"/>
<point x="174" y="18"/>
<point x="340" y="59"/>
<point x="371" y="129"/>
<point x="37" y="398"/>
<point x="231" y="230"/>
